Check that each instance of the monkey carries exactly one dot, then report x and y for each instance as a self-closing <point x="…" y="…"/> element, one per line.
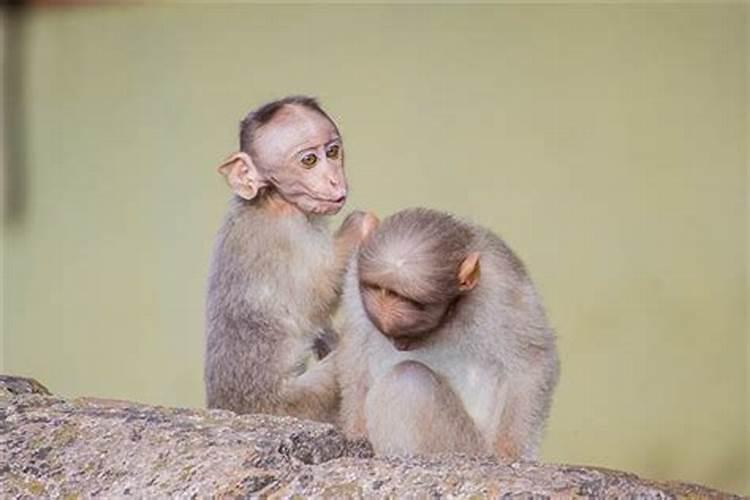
<point x="276" y="272"/>
<point x="445" y="345"/>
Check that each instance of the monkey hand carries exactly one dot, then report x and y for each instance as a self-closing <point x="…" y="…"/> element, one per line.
<point x="325" y="342"/>
<point x="355" y="229"/>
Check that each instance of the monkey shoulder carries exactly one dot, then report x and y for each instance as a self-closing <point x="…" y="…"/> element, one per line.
<point x="278" y="253"/>
<point x="264" y="282"/>
<point x="496" y="252"/>
<point x="505" y="311"/>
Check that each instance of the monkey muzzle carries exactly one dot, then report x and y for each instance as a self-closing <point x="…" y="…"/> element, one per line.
<point x="315" y="195"/>
<point x="328" y="206"/>
<point x="316" y="203"/>
<point x="401" y="341"/>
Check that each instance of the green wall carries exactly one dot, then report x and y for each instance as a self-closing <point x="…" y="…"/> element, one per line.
<point x="3" y="191"/>
<point x="607" y="144"/>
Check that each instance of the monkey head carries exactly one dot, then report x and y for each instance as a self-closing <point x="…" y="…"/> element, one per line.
<point x="293" y="147"/>
<point x="412" y="269"/>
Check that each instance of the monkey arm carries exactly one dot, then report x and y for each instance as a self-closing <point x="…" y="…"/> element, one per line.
<point x="525" y="410"/>
<point x="353" y="230"/>
<point x="314" y="393"/>
<point x="254" y="365"/>
<point x="352" y="373"/>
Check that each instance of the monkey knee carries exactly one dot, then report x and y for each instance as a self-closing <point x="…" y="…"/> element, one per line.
<point x="411" y="410"/>
<point x="397" y="406"/>
<point x="412" y="376"/>
<point x="407" y="386"/>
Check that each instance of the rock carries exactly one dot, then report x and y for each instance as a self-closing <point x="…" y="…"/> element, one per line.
<point x="92" y="447"/>
<point x="13" y="386"/>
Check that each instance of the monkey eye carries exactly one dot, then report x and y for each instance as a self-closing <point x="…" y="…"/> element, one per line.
<point x="309" y="160"/>
<point x="391" y="294"/>
<point x="333" y="151"/>
<point x="417" y="305"/>
<point x="382" y="291"/>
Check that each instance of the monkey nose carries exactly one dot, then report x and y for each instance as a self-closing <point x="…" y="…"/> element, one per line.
<point x="339" y="188"/>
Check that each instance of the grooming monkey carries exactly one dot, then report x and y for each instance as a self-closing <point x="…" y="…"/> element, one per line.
<point x="445" y="347"/>
<point x="276" y="272"/>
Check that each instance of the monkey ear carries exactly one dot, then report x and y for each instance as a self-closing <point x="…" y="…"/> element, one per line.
<point x="241" y="175"/>
<point x="468" y="272"/>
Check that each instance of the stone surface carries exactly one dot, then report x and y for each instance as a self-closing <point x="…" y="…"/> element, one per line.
<point x="13" y="386"/>
<point x="92" y="447"/>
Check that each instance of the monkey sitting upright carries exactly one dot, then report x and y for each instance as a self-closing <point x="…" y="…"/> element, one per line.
<point x="437" y="356"/>
<point x="276" y="272"/>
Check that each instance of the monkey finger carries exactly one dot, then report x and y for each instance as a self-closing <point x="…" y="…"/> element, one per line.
<point x="369" y="223"/>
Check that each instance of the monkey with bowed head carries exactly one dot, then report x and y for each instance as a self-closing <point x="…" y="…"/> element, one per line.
<point x="446" y="347"/>
<point x="276" y="271"/>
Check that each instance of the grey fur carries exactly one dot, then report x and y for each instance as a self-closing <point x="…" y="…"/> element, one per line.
<point x="272" y="288"/>
<point x="499" y="328"/>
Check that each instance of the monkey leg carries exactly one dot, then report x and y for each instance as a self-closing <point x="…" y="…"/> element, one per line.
<point x="524" y="414"/>
<point x="412" y="410"/>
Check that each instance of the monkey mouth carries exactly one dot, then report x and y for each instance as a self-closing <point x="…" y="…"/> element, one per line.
<point x="328" y="205"/>
<point x="337" y="201"/>
<point x="405" y="343"/>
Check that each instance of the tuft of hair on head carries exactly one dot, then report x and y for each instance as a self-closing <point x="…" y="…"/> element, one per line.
<point x="421" y="250"/>
<point x="265" y="113"/>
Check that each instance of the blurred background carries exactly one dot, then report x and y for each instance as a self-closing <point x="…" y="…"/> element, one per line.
<point x="606" y="143"/>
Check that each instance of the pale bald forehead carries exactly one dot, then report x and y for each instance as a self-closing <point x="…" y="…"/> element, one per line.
<point x="292" y="129"/>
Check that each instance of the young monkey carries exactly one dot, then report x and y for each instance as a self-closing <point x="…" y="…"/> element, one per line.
<point x="276" y="271"/>
<point x="446" y="347"/>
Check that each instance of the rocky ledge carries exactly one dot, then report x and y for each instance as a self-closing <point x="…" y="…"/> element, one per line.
<point x="52" y="447"/>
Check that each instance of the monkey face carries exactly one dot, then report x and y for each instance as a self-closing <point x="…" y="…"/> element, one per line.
<point x="412" y="268"/>
<point x="404" y="321"/>
<point x="300" y="153"/>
